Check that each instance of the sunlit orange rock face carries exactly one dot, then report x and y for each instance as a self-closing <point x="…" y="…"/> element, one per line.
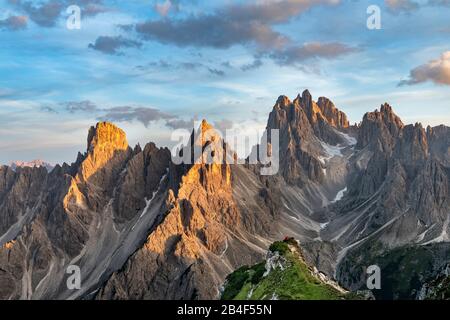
<point x="204" y="200"/>
<point x="106" y="156"/>
<point x="9" y="245"/>
<point x="211" y="168"/>
<point x="105" y="141"/>
<point x="141" y="226"/>
<point x="190" y="252"/>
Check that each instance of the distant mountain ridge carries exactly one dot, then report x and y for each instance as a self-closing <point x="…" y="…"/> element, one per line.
<point x="140" y="226"/>
<point x="31" y="164"/>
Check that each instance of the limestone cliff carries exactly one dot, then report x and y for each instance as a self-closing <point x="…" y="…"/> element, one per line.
<point x="200" y="239"/>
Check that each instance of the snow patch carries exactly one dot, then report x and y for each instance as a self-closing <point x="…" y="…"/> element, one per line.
<point x="339" y="195"/>
<point x="322" y="159"/>
<point x="332" y="151"/>
<point x="421" y="236"/>
<point x="147" y="205"/>
<point x="149" y="202"/>
<point x="350" y="140"/>
<point x="324" y="225"/>
<point x="336" y="151"/>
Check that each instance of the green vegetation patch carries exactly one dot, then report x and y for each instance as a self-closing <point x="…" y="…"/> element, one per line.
<point x="294" y="282"/>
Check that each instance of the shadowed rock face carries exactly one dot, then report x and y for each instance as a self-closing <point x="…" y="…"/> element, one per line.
<point x="333" y="116"/>
<point x="203" y="235"/>
<point x="17" y="189"/>
<point x="379" y="129"/>
<point x="309" y="132"/>
<point x="404" y="179"/>
<point x="140" y="180"/>
<point x="142" y="227"/>
<point x="439" y="142"/>
<point x="58" y="216"/>
<point x="114" y="205"/>
<point x="400" y="197"/>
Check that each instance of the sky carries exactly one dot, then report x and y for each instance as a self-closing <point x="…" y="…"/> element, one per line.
<point x="154" y="66"/>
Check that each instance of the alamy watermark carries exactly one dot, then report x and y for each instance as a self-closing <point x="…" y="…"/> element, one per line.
<point x="235" y="146"/>
<point x="73" y="22"/>
<point x="374" y="279"/>
<point x="74" y="280"/>
<point x="374" y="19"/>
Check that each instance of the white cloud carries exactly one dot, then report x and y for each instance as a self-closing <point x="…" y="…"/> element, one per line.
<point x="437" y="71"/>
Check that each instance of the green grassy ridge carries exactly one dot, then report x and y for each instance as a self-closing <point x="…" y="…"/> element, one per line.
<point x="295" y="282"/>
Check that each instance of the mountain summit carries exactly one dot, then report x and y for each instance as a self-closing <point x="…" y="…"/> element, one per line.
<point x="141" y="225"/>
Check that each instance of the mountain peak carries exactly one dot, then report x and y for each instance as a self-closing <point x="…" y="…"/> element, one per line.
<point x="322" y="109"/>
<point x="383" y="125"/>
<point x="205" y="126"/>
<point x="386" y="115"/>
<point x="332" y="114"/>
<point x="105" y="142"/>
<point x="386" y="108"/>
<point x="283" y="101"/>
<point x="106" y="133"/>
<point x="306" y="95"/>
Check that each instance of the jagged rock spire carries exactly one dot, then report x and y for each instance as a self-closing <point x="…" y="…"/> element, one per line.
<point x="383" y="126"/>
<point x="105" y="142"/>
<point x="106" y="133"/>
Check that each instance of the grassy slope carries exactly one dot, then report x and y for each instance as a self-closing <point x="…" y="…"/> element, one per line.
<point x="294" y="283"/>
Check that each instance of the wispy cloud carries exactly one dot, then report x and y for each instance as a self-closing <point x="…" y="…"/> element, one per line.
<point x="181" y="123"/>
<point x="47" y="13"/>
<point x="44" y="14"/>
<point x="14" y="23"/>
<point x="113" y="45"/>
<point x="216" y="72"/>
<point x="48" y="109"/>
<point x="257" y="63"/>
<point x="399" y="6"/>
<point x="129" y="114"/>
<point x="165" y="7"/>
<point x="443" y="3"/>
<point x="437" y="71"/>
<point x="80" y="106"/>
<point x="144" y="115"/>
<point x="252" y="25"/>
<point x="187" y="65"/>
<point x="297" y="54"/>
<point x="248" y="23"/>
<point x="209" y="31"/>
